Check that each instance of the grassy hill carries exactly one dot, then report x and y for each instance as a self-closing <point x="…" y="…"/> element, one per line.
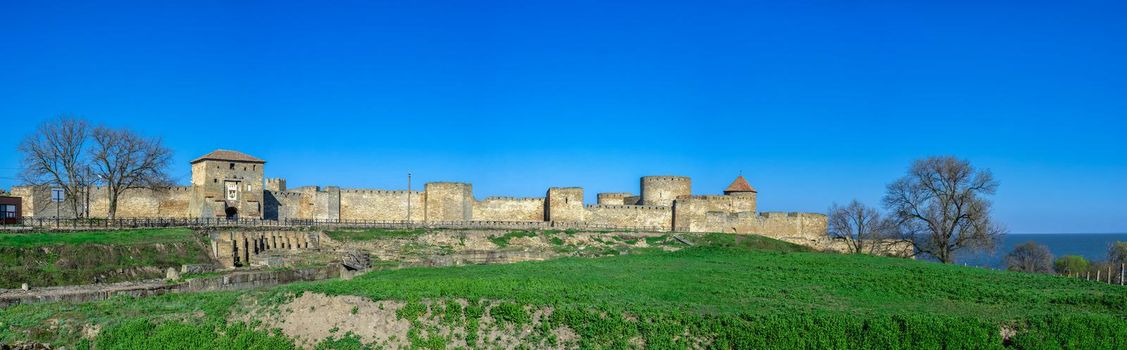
<point x="727" y="292"/>
<point x="66" y="258"/>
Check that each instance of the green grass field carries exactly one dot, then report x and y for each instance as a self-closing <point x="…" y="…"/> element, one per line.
<point x="121" y="237"/>
<point x="374" y="234"/>
<point x="735" y="292"/>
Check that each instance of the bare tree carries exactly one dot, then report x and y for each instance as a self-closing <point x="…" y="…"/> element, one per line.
<point x="124" y="160"/>
<point x="940" y="206"/>
<point x="53" y="155"/>
<point x="1117" y="252"/>
<point x="860" y="226"/>
<point x="1030" y="257"/>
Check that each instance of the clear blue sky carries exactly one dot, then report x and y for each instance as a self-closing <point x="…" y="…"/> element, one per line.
<point x="815" y="102"/>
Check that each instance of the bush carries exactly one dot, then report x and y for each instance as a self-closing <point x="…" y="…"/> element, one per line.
<point x="510" y="313"/>
<point x="1117" y="253"/>
<point x="1070" y="264"/>
<point x="1030" y="257"/>
<point x="144" y="334"/>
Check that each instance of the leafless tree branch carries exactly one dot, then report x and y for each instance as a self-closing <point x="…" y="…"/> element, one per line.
<point x="53" y="155"/>
<point x="940" y="206"/>
<point x="124" y="160"/>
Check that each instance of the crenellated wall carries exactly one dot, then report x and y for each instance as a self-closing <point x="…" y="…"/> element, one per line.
<point x="790" y="226"/>
<point x="169" y="202"/>
<point x="509" y="209"/>
<point x="691" y="212"/>
<point x="614" y="198"/>
<point x="646" y="216"/>
<point x="275" y="185"/>
<point x="359" y="204"/>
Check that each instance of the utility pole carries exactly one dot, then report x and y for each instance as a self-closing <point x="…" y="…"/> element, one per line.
<point x="408" y="200"/>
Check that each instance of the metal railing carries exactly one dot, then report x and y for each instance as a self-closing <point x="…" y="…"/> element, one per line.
<point x="124" y="223"/>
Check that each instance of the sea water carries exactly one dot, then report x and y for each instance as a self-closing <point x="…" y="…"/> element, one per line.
<point x="1092" y="246"/>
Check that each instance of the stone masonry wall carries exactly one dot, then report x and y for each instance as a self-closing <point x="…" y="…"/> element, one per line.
<point x="357" y="204"/>
<point x="282" y="205"/>
<point x="777" y="224"/>
<point x="275" y="185"/>
<point x="663" y="190"/>
<point x="788" y="226"/>
<point x="690" y="213"/>
<point x="615" y="198"/>
<point x="565" y="204"/>
<point x="509" y="209"/>
<point x="449" y="201"/>
<point x="233" y="248"/>
<point x="143" y="202"/>
<point x="28" y="199"/>
<point x="657" y="217"/>
<point x="326" y="204"/>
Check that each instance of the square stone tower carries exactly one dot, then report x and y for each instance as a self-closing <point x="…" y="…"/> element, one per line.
<point x="449" y="201"/>
<point x="565" y="204"/>
<point x="227" y="184"/>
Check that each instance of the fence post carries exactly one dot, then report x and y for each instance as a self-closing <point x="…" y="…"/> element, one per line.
<point x="1121" y="274"/>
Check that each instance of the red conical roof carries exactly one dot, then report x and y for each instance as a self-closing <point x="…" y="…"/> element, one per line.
<point x="739" y="185"/>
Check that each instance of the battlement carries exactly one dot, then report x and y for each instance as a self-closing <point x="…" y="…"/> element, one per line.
<point x="632" y="207"/>
<point x="374" y="191"/>
<point x="504" y="198"/>
<point x="286" y="194"/>
<point x="174" y="189"/>
<point x="178" y="189"/>
<point x="275" y="184"/>
<point x="707" y="197"/>
<point x="779" y="214"/>
<point x="613" y="195"/>
<point x="447" y="183"/>
<point x="666" y="178"/>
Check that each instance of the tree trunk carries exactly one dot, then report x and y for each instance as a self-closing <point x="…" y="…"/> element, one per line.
<point x="113" y="205"/>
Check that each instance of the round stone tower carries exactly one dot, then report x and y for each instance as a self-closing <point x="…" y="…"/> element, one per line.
<point x="662" y="190"/>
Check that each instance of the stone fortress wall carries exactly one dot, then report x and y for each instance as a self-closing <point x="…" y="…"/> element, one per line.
<point x="664" y="203"/>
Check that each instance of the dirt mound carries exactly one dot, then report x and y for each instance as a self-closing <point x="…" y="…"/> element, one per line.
<point x="311" y="318"/>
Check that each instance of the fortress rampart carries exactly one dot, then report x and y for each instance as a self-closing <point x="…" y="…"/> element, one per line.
<point x="231" y="184"/>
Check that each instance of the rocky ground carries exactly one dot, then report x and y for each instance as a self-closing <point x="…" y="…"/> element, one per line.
<point x="461" y="247"/>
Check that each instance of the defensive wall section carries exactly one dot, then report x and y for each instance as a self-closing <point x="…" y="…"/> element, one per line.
<point x="164" y="202"/>
<point x="508" y="209"/>
<point x="380" y="205"/>
<point x="231" y="184"/>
